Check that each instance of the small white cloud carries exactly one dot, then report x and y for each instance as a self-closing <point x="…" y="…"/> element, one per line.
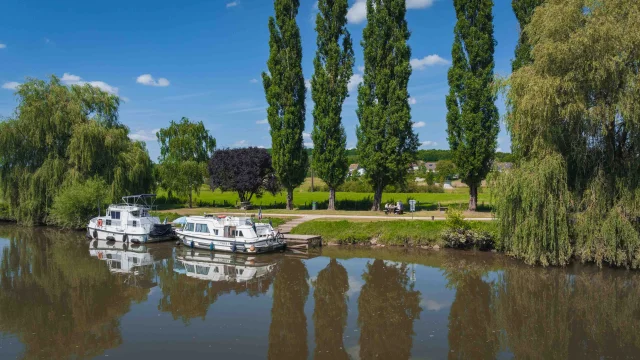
<point x="433" y="305"/>
<point x="142" y="135"/>
<point x="419" y="4"/>
<point x="3" y="46"/>
<point x="361" y="69"/>
<point x="308" y="144"/>
<point x="307" y="84"/>
<point x="357" y="12"/>
<point x="253" y="81"/>
<point x="11" y="85"/>
<point x="70" y="79"/>
<point x="429" y="143"/>
<point x="429" y="60"/>
<point x="306" y="135"/>
<point x="240" y="143"/>
<point x="125" y="99"/>
<point x="355" y="80"/>
<point x="412" y="101"/>
<point x="148" y="80"/>
<point x="418" y="124"/>
<point x="261" y="147"/>
<point x="232" y="4"/>
<point x="355" y="285"/>
<point x="263" y="121"/>
<point x="499" y="150"/>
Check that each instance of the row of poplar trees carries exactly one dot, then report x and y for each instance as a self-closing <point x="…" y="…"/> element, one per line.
<point x="386" y="141"/>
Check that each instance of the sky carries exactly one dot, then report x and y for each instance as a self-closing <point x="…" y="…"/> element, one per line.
<point x="203" y="60"/>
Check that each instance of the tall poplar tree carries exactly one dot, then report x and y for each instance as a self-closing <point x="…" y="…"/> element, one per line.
<point x="285" y="92"/>
<point x="333" y="67"/>
<point x="524" y="10"/>
<point x="472" y="118"/>
<point x="386" y="141"/>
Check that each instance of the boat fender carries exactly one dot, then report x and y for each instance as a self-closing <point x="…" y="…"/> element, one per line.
<point x="125" y="247"/>
<point x="95" y="234"/>
<point x="233" y="248"/>
<point x="211" y="246"/>
<point x="178" y="243"/>
<point x="99" y="222"/>
<point x="125" y="238"/>
<point x="192" y="244"/>
<point x="252" y="248"/>
<point x="144" y="239"/>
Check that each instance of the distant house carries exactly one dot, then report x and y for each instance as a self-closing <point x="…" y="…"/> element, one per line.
<point x="430" y="166"/>
<point x="502" y="166"/>
<point x="355" y="167"/>
<point x="414" y="167"/>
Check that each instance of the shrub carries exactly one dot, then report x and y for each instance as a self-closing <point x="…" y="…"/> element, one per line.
<point x="460" y="235"/>
<point x="77" y="203"/>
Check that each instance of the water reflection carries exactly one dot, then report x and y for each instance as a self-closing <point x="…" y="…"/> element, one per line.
<point x="62" y="297"/>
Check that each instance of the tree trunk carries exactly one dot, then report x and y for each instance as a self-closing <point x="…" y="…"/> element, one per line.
<point x="190" y="200"/>
<point x="289" y="199"/>
<point x="332" y="199"/>
<point x="473" y="197"/>
<point x="377" y="198"/>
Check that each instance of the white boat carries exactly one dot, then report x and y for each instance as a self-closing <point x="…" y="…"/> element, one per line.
<point x="130" y="222"/>
<point x="230" y="233"/>
<point x="119" y="257"/>
<point x="223" y="267"/>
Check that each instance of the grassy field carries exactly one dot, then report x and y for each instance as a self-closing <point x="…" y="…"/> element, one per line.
<point x="303" y="199"/>
<point x="415" y="233"/>
<point x="170" y="216"/>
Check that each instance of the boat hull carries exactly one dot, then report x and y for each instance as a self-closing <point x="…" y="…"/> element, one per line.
<point x="256" y="247"/>
<point x="123" y="236"/>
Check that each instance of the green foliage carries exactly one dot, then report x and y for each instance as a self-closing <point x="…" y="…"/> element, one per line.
<point x="524" y="10"/>
<point x="333" y="67"/>
<point x="76" y="204"/>
<point x="61" y="136"/>
<point x="185" y="148"/>
<point x="285" y="92"/>
<point x="455" y="220"/>
<point x="472" y="117"/>
<point x="574" y="120"/>
<point x="386" y="141"/>
<point x="446" y="170"/>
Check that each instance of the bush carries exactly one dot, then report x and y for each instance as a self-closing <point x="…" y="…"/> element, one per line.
<point x="77" y="203"/>
<point x="459" y="234"/>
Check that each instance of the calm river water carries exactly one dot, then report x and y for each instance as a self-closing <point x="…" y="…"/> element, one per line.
<point x="63" y="297"/>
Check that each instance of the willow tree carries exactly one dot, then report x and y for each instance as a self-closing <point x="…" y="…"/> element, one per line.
<point x="185" y="148"/>
<point x="333" y="67"/>
<point x="472" y="117"/>
<point x="60" y="136"/>
<point x="386" y="141"/>
<point x="523" y="9"/>
<point x="285" y="92"/>
<point x="574" y="115"/>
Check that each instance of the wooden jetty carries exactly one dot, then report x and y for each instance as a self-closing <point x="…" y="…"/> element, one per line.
<point x="299" y="242"/>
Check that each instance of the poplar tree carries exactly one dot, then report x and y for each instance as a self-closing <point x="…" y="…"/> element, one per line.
<point x="386" y="141"/>
<point x="333" y="67"/>
<point x="285" y="92"/>
<point x="524" y="10"/>
<point x="472" y="118"/>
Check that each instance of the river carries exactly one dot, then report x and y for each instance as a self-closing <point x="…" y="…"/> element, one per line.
<point x="64" y="297"/>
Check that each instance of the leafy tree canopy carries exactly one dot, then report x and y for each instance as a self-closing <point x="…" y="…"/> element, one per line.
<point x="247" y="171"/>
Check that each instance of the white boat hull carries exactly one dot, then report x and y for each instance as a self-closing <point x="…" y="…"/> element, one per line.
<point x="229" y="245"/>
<point x="114" y="235"/>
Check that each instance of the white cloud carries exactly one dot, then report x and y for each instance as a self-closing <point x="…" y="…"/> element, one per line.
<point x="306" y="135"/>
<point x="125" y="99"/>
<point x="232" y="4"/>
<point x="361" y="69"/>
<point x="148" y="80"/>
<point x="419" y="4"/>
<point x="412" y="101"/>
<point x="70" y="79"/>
<point x="142" y="135"/>
<point x="418" y="124"/>
<point x="308" y="144"/>
<point x="307" y="84"/>
<point x="355" y="80"/>
<point x="429" y="143"/>
<point x="3" y="46"/>
<point x="11" y="85"/>
<point x="499" y="149"/>
<point x="429" y="60"/>
<point x="253" y="81"/>
<point x="355" y="285"/>
<point x="263" y="121"/>
<point x="240" y="143"/>
<point x="261" y="147"/>
<point x="357" y="12"/>
<point x="433" y="305"/>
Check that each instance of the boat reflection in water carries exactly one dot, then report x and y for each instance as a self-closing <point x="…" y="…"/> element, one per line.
<point x="205" y="265"/>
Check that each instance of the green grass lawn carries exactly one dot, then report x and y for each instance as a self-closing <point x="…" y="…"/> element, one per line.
<point x="344" y="200"/>
<point x="407" y="232"/>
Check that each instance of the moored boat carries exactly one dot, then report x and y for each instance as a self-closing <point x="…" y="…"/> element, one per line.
<point x="130" y="222"/>
<point x="231" y="234"/>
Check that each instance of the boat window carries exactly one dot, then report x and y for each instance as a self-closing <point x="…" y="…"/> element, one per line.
<point x="203" y="228"/>
<point x="215" y="231"/>
<point x="215" y="270"/>
<point x="188" y="227"/>
<point x="135" y="213"/>
<point x="115" y="215"/>
<point x="135" y="223"/>
<point x="240" y="233"/>
<point x="190" y="268"/>
<point x="108" y="222"/>
<point x="202" y="270"/>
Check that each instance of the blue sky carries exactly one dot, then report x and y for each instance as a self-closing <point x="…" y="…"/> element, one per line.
<point x="203" y="60"/>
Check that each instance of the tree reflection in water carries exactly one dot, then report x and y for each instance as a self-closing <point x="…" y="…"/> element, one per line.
<point x="330" y="313"/>
<point x="288" y="329"/>
<point x="58" y="301"/>
<point x="387" y="307"/>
